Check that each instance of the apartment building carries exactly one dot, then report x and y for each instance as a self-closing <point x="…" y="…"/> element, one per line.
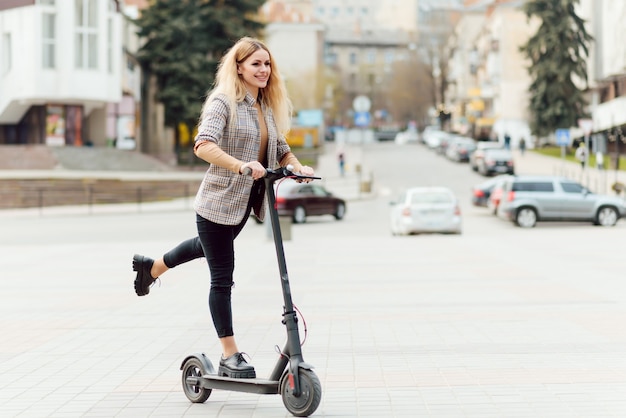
<point x="61" y="73"/>
<point x="359" y="40"/>
<point x="489" y="92"/>
<point x="490" y="80"/>
<point x="607" y="71"/>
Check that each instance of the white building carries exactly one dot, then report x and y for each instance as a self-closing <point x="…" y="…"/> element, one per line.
<point x="60" y="67"/>
<point x="607" y="63"/>
<point x="492" y="92"/>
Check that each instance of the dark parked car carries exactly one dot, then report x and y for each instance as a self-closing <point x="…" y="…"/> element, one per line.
<point x="479" y="153"/>
<point x="496" y="161"/>
<point x="528" y="199"/>
<point x="481" y="192"/>
<point x="300" y="200"/>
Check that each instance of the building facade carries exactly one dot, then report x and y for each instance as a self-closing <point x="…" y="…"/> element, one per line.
<point x="63" y="77"/>
<point x="607" y="71"/>
<point x="489" y="93"/>
<point x="359" y="41"/>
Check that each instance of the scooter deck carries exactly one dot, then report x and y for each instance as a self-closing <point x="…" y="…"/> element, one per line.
<point x="259" y="386"/>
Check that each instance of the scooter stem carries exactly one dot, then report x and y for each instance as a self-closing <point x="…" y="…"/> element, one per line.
<point x="292" y="352"/>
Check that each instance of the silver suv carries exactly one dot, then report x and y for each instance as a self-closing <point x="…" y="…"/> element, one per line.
<point x="528" y="199"/>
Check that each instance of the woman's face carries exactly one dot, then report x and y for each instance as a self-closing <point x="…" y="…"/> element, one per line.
<point x="255" y="71"/>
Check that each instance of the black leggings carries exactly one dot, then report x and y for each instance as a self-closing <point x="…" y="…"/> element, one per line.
<point x="217" y="242"/>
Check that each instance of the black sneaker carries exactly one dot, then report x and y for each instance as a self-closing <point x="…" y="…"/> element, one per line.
<point x="142" y="265"/>
<point x="236" y="367"/>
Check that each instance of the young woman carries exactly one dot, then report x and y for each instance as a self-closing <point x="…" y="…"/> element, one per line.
<point x="243" y="123"/>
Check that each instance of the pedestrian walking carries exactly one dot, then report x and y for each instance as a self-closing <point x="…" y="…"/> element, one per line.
<point x="507" y="140"/>
<point x="522" y="146"/>
<point x="600" y="160"/>
<point x="342" y="164"/>
<point x="581" y="154"/>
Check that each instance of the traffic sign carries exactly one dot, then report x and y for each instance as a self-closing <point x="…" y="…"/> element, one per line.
<point x="562" y="137"/>
<point x="362" y="119"/>
<point x="361" y="104"/>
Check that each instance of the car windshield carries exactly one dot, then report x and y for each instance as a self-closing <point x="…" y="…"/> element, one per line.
<point x="488" y="145"/>
<point x="430" y="197"/>
<point x="498" y="153"/>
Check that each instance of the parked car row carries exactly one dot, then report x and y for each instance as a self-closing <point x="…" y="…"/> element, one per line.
<point x="521" y="199"/>
<point x="486" y="157"/>
<point x="528" y="199"/>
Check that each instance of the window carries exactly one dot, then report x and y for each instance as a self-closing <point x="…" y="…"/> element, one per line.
<point x="535" y="186"/>
<point x="48" y="41"/>
<point x="572" y="188"/>
<point x="86" y="34"/>
<point x="352" y="81"/>
<point x="318" y="191"/>
<point x="420" y="198"/>
<point x="389" y="56"/>
<point x="371" y="56"/>
<point x="6" y="53"/>
<point x="353" y="59"/>
<point x="331" y="59"/>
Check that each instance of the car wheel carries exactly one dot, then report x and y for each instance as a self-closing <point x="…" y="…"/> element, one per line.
<point x="299" y="215"/>
<point x="526" y="217"/>
<point x="606" y="216"/>
<point x="340" y="211"/>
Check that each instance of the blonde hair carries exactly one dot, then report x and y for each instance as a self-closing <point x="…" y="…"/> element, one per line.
<point x="229" y="83"/>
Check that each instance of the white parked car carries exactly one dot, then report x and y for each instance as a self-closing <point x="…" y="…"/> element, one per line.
<point x="405" y="137"/>
<point x="426" y="209"/>
<point x="434" y="139"/>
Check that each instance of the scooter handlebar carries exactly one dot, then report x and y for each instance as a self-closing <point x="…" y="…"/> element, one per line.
<point x="281" y="173"/>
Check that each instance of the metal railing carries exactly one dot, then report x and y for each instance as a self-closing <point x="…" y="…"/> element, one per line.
<point x="94" y="196"/>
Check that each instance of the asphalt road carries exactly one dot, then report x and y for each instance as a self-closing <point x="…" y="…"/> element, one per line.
<point x="499" y="321"/>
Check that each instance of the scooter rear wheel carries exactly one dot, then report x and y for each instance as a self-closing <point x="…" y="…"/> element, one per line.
<point x="193" y="369"/>
<point x="310" y="396"/>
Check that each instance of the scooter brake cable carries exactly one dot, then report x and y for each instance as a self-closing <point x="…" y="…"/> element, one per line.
<point x="303" y="324"/>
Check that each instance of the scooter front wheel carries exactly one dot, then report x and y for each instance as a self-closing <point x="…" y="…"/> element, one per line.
<point x="310" y="393"/>
<point x="193" y="369"/>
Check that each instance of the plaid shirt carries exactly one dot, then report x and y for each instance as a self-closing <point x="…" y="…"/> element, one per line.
<point x="223" y="195"/>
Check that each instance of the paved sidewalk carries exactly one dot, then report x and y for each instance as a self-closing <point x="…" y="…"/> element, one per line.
<point x="394" y="328"/>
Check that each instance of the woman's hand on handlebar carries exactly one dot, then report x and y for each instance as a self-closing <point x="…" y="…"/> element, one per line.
<point x="306" y="171"/>
<point x="253" y="168"/>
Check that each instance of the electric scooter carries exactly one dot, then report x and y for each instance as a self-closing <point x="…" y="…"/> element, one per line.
<point x="292" y="377"/>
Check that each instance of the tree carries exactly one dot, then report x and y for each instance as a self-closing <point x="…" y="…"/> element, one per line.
<point x="184" y="41"/>
<point x="410" y="91"/>
<point x="557" y="53"/>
